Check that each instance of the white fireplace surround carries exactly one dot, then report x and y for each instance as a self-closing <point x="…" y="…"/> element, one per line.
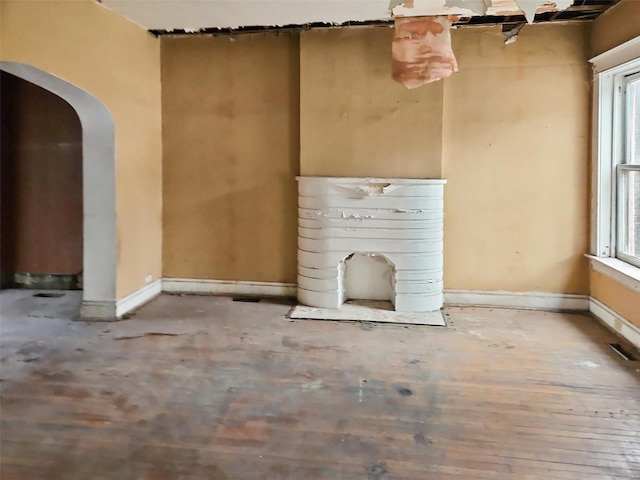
<point x="370" y="238"/>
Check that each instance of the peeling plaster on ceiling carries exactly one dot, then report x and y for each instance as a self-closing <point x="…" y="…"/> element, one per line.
<point x="479" y="7"/>
<point x="164" y="17"/>
<point x="198" y="14"/>
<point x="421" y="50"/>
<point x="531" y="7"/>
<point x="193" y="15"/>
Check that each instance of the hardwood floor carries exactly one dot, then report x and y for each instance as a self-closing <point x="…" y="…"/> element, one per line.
<point x="196" y="387"/>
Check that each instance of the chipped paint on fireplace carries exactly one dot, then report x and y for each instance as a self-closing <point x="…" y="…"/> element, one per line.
<point x="370" y="239"/>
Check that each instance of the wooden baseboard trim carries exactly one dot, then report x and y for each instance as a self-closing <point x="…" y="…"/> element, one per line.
<point x="138" y="298"/>
<point x="615" y="321"/>
<point x="521" y="300"/>
<point x="229" y="287"/>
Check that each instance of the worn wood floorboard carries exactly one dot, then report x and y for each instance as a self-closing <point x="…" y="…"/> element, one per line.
<point x="197" y="387"/>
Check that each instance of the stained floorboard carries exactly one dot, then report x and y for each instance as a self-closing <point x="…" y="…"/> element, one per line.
<point x="197" y="387"/>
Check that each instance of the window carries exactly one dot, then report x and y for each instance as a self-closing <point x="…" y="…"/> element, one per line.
<point x="628" y="177"/>
<point x="616" y="187"/>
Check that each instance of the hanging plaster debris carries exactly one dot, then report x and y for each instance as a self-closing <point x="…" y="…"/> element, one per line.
<point x="511" y="31"/>
<point x="478" y="7"/>
<point x="421" y="50"/>
<point x="466" y="8"/>
<point x="529" y="7"/>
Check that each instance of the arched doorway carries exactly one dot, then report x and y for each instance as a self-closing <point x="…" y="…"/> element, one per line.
<point x="98" y="192"/>
<point x="41" y="191"/>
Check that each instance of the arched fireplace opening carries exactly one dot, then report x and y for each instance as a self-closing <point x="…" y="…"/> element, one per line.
<point x="366" y="276"/>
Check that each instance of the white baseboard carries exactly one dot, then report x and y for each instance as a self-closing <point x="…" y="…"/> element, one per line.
<point x="478" y="298"/>
<point x="523" y="300"/>
<point x="615" y="321"/>
<point x="530" y="300"/>
<point x="229" y="287"/>
<point x="138" y="298"/>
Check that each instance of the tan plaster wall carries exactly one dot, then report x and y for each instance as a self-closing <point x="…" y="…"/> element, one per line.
<point x="510" y="131"/>
<point x="231" y="154"/>
<point x="515" y="142"/>
<point x="619" y="298"/>
<point x="118" y="62"/>
<point x="354" y="119"/>
<point x="617" y="25"/>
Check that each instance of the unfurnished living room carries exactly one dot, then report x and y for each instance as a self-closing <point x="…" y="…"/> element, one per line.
<point x="319" y="239"/>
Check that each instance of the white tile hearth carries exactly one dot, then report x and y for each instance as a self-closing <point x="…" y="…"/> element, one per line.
<point x="368" y="311"/>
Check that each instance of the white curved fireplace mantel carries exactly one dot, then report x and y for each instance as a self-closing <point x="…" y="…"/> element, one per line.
<point x="396" y="220"/>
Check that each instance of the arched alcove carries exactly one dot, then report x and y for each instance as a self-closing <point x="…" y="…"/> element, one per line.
<point x="367" y="276"/>
<point x="98" y="178"/>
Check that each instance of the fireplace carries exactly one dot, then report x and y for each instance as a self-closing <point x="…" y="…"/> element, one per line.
<point x="370" y="239"/>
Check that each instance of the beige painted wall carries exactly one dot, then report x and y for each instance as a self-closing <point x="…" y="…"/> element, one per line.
<point x="615" y="26"/>
<point x="231" y="154"/>
<point x="510" y="131"/>
<point x="354" y="119"/>
<point x="512" y="127"/>
<point x="118" y="62"/>
<point x="619" y="298"/>
<point x="516" y="129"/>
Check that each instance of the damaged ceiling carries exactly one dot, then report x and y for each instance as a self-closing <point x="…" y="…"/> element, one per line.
<point x="421" y="50"/>
<point x="222" y="16"/>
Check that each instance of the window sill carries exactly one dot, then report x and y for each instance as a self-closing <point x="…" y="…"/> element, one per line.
<point x="622" y="272"/>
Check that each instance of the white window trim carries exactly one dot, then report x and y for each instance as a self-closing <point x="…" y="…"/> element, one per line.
<point x="609" y="69"/>
<point x="622" y="272"/>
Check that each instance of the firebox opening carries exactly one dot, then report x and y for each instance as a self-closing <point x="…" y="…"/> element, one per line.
<point x="366" y="276"/>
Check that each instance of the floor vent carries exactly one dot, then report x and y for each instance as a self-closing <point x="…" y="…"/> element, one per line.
<point x="624" y="353"/>
<point x="247" y="299"/>
<point x="49" y="295"/>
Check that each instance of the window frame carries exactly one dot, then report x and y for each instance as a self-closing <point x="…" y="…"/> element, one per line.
<point x="619" y="161"/>
<point x="611" y="73"/>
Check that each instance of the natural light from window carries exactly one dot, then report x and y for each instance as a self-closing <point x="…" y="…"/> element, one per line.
<point x="629" y="174"/>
